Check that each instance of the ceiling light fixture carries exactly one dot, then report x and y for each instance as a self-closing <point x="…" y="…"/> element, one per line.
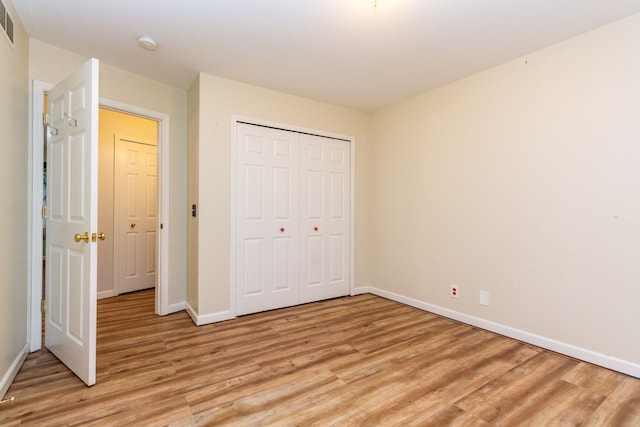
<point x="147" y="43"/>
<point x="373" y="3"/>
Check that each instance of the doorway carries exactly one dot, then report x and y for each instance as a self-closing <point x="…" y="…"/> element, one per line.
<point x="36" y="173"/>
<point x="127" y="202"/>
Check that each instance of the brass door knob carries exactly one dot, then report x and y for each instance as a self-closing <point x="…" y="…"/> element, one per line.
<point x="79" y="237"/>
<point x="96" y="236"/>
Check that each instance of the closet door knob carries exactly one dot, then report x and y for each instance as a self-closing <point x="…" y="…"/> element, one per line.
<point x="282" y="229"/>
<point x="315" y="228"/>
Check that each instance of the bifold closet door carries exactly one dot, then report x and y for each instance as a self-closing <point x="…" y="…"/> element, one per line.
<point x="267" y="218"/>
<point x="324" y="218"/>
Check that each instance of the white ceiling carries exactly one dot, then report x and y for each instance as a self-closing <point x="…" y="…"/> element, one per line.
<point x="338" y="51"/>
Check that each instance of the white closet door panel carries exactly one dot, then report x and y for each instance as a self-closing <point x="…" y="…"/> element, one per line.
<point x="253" y="267"/>
<point x="337" y="188"/>
<point x="282" y="280"/>
<point x="324" y="178"/>
<point x="315" y="195"/>
<point x="336" y="260"/>
<point x="313" y="160"/>
<point x="267" y="211"/>
<point x="282" y="197"/>
<point x="253" y="181"/>
<point x="338" y="213"/>
<point x="313" y="262"/>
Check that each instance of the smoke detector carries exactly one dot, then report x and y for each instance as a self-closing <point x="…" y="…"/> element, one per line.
<point x="147" y="43"/>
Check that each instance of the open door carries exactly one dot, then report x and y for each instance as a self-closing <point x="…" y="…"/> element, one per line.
<point x="72" y="221"/>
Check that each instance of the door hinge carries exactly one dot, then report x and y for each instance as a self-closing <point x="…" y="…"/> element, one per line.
<point x="45" y="119"/>
<point x="44" y="212"/>
<point x="43" y="305"/>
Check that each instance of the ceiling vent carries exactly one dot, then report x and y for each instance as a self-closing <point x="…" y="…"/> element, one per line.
<point x="6" y="22"/>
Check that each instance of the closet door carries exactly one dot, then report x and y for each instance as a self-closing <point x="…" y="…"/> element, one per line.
<point x="324" y="218"/>
<point x="267" y="219"/>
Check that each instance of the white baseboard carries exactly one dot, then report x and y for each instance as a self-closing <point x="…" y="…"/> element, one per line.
<point x="204" y="319"/>
<point x="8" y="377"/>
<point x="624" y="366"/>
<point x="107" y="294"/>
<point x="361" y="290"/>
<point x="174" y="308"/>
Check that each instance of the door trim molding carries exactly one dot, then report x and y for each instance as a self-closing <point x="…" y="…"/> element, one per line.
<point x="235" y="119"/>
<point x="34" y="233"/>
<point x="162" y="289"/>
<point x="35" y="244"/>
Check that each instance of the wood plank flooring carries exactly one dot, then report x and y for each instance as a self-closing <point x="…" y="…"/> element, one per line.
<point x="353" y="361"/>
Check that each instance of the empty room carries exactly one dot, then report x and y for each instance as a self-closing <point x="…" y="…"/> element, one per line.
<point x="349" y="212"/>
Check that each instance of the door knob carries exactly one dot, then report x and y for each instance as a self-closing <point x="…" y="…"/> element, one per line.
<point x="315" y="228"/>
<point x="79" y="237"/>
<point x="132" y="226"/>
<point x="282" y="229"/>
<point x="101" y="236"/>
<point x="95" y="237"/>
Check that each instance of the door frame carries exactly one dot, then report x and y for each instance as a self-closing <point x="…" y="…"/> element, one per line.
<point x="235" y="119"/>
<point x="34" y="233"/>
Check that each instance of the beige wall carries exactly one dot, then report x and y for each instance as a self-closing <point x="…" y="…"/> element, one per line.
<point x="219" y="99"/>
<point x="522" y="181"/>
<point x="13" y="193"/>
<point x="51" y="64"/>
<point x="113" y="124"/>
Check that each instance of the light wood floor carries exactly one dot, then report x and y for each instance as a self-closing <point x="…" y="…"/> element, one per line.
<point x="354" y="361"/>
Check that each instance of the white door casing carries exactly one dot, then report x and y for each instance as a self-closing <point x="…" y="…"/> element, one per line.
<point x="72" y="174"/>
<point x="292" y="218"/>
<point x="267" y="240"/>
<point x="136" y="214"/>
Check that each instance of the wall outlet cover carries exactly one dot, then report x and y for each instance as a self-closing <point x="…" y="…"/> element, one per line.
<point x="455" y="291"/>
<point x="484" y="298"/>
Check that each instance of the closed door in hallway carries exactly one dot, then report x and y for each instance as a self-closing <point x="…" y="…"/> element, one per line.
<point x="136" y="214"/>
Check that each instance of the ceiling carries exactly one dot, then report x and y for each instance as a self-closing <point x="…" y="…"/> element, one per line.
<point x="343" y="52"/>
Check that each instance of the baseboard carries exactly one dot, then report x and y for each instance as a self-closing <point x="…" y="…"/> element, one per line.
<point x="174" y="308"/>
<point x="204" y="319"/>
<point x="623" y="366"/>
<point x="107" y="294"/>
<point x="361" y="290"/>
<point x="8" y="377"/>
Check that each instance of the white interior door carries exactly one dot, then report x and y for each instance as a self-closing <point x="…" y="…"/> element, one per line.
<point x="267" y="210"/>
<point x="136" y="214"/>
<point x="72" y="218"/>
<point x="324" y="218"/>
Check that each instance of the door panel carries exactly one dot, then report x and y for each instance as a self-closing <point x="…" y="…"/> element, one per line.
<point x="136" y="215"/>
<point x="253" y="267"/>
<point x="71" y="276"/>
<point x="337" y="261"/>
<point x="267" y="210"/>
<point x="313" y="262"/>
<point x="324" y="218"/>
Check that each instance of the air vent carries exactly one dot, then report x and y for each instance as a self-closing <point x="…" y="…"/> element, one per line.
<point x="6" y="22"/>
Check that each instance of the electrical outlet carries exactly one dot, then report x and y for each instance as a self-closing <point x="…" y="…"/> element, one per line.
<point x="455" y="291"/>
<point x="484" y="298"/>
